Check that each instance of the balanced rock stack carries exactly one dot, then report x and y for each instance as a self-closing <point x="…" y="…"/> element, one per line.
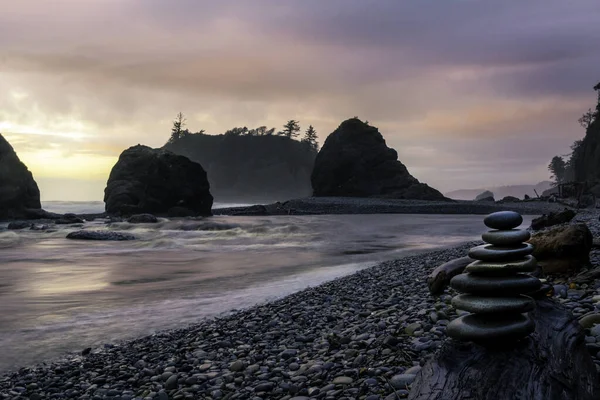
<point x="495" y="285"/>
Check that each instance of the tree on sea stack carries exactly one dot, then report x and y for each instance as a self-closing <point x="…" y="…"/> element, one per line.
<point x="310" y="137"/>
<point x="177" y="129"/>
<point x="291" y="129"/>
<point x="513" y="342"/>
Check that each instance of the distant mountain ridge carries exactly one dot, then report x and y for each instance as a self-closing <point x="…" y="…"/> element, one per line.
<point x="501" y="191"/>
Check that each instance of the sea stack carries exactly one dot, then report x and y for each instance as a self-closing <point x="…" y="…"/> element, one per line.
<point x="495" y="286"/>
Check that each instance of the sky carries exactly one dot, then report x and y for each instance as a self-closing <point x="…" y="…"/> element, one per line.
<point x="470" y="93"/>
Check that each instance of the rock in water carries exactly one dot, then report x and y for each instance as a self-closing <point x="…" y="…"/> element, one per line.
<point x="18" y="190"/>
<point x="142" y="219"/>
<point x="495" y="286"/>
<point x="146" y="180"/>
<point x="100" y="235"/>
<point x="356" y="162"/>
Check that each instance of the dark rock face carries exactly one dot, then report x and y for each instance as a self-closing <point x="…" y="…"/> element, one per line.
<point x="18" y="190"/>
<point x="147" y="180"/>
<point x="510" y="199"/>
<point x="356" y="162"/>
<point x="552" y="219"/>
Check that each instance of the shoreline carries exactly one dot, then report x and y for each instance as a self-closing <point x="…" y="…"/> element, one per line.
<point x="356" y="205"/>
<point x="351" y="327"/>
<point x="342" y="205"/>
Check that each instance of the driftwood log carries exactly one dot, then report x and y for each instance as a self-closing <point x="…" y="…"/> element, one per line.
<point x="439" y="279"/>
<point x="551" y="364"/>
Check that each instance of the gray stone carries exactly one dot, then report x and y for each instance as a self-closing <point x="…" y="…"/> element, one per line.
<point x="500" y="268"/>
<point x="402" y="380"/>
<point x="487" y="305"/>
<point x="587" y="321"/>
<point x="237" y="366"/>
<point x="171" y="383"/>
<point x="489" y="252"/>
<point x="508" y="237"/>
<point x="478" y="328"/>
<point x="343" y="380"/>
<point x="503" y="220"/>
<point x="494" y="286"/>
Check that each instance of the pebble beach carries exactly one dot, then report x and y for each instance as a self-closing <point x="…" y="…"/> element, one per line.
<point x="363" y="336"/>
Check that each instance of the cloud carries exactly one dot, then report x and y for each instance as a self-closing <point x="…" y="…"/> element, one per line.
<point x="449" y="81"/>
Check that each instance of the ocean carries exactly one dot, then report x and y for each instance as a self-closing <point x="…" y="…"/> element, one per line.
<point x="61" y="296"/>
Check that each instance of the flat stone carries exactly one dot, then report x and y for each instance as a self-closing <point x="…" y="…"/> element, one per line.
<point x="490" y="330"/>
<point x="343" y="380"/>
<point x="486" y="305"/>
<point x="502" y="268"/>
<point x="402" y="381"/>
<point x="489" y="252"/>
<point x="503" y="220"/>
<point x="495" y="286"/>
<point x="508" y="237"/>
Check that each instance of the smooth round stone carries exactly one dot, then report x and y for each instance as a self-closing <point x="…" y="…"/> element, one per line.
<point x="495" y="285"/>
<point x="490" y="330"/>
<point x="508" y="237"/>
<point x="500" y="268"/>
<point x="487" y="305"/>
<point x="503" y="220"/>
<point x="489" y="252"/>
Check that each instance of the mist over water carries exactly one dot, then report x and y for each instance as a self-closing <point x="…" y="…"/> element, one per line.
<point x="59" y="295"/>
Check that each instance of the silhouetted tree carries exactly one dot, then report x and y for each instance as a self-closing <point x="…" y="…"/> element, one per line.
<point x="558" y="169"/>
<point x="291" y="129"/>
<point x="587" y="118"/>
<point x="310" y="137"/>
<point x="177" y="129"/>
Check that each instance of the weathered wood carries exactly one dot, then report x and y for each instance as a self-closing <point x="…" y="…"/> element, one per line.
<point x="439" y="279"/>
<point x="551" y="364"/>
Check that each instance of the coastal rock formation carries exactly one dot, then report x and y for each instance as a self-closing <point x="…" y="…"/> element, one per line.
<point x="356" y="162"/>
<point x="485" y="196"/>
<point x="495" y="286"/>
<point x="510" y="199"/>
<point x="18" y="190"/>
<point x="563" y="248"/>
<point x="147" y="180"/>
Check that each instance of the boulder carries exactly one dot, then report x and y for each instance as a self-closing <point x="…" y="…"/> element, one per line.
<point x="485" y="196"/>
<point x="69" y="219"/>
<point x="146" y="180"/>
<point x="510" y="199"/>
<point x="142" y="219"/>
<point x="356" y="162"/>
<point x="554" y="218"/>
<point x="18" y="190"/>
<point x="562" y="249"/>
<point x="440" y="277"/>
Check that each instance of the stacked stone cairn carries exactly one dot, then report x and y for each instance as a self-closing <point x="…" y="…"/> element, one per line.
<point x="495" y="286"/>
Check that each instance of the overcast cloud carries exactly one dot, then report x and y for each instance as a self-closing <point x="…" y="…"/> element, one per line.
<point x="470" y="93"/>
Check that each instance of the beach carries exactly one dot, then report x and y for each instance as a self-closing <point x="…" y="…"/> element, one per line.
<point x="361" y="336"/>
